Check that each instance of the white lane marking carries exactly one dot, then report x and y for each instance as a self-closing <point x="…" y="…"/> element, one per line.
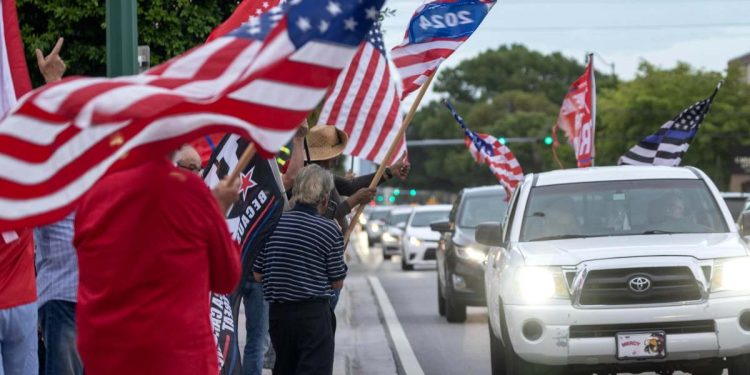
<point x="403" y="349"/>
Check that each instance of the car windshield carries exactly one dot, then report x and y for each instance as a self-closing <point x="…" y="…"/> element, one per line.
<point x="379" y="215"/>
<point x="396" y="219"/>
<point x="423" y="219"/>
<point x="616" y="208"/>
<point x="482" y="209"/>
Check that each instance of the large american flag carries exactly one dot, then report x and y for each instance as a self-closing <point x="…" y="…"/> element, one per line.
<point x="670" y="143"/>
<point x="365" y="103"/>
<point x="486" y="149"/>
<point x="437" y="28"/>
<point x="259" y="81"/>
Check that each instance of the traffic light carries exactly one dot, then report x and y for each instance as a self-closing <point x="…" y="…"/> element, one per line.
<point x="380" y="198"/>
<point x="502" y="140"/>
<point x="548" y="141"/>
<point x="396" y="191"/>
<point x="391" y="199"/>
<point x="413" y="192"/>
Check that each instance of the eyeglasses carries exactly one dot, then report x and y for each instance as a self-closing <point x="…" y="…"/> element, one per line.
<point x="191" y="167"/>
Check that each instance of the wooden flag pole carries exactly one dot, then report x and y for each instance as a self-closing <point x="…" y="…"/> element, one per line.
<point x="242" y="163"/>
<point x="391" y="151"/>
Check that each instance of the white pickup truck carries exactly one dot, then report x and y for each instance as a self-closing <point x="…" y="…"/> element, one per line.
<point x="617" y="269"/>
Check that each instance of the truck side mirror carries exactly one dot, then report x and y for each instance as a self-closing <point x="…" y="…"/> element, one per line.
<point x="489" y="234"/>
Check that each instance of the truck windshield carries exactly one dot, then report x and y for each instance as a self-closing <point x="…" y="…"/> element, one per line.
<point x="619" y="208"/>
<point x="482" y="209"/>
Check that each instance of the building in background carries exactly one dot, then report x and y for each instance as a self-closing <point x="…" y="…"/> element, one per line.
<point x="744" y="62"/>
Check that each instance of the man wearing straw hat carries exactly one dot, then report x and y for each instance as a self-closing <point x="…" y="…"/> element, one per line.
<point x="325" y="143"/>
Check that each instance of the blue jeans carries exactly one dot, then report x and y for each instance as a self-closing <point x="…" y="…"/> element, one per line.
<point x="18" y="340"/>
<point x="58" y="322"/>
<point x="256" y="323"/>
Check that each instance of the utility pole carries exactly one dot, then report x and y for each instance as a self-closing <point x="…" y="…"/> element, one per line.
<point x="122" y="37"/>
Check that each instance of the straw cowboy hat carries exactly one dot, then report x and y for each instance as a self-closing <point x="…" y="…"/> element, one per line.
<point x="325" y="142"/>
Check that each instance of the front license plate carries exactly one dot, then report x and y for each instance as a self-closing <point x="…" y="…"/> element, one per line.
<point x="641" y="345"/>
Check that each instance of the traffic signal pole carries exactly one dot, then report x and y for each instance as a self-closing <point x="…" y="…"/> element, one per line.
<point x="122" y="37"/>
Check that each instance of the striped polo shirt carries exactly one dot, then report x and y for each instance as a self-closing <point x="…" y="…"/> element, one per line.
<point x="302" y="257"/>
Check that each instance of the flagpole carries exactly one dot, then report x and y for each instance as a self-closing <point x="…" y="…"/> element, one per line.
<point x="242" y="163"/>
<point x="593" y="111"/>
<point x="392" y="150"/>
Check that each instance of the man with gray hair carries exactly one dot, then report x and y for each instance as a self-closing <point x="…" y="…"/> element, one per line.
<point x="300" y="266"/>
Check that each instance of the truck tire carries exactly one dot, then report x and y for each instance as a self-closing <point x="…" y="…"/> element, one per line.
<point x="455" y="312"/>
<point x="497" y="353"/>
<point x="739" y="365"/>
<point x="441" y="299"/>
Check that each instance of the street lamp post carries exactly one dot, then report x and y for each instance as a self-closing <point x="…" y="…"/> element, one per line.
<point x="122" y="38"/>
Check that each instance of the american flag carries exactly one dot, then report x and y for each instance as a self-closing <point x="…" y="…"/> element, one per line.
<point x="670" y="143"/>
<point x="486" y="149"/>
<point x="437" y="28"/>
<point x="260" y="81"/>
<point x="365" y="103"/>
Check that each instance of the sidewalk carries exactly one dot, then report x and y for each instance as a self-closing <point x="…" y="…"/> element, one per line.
<point x="362" y="347"/>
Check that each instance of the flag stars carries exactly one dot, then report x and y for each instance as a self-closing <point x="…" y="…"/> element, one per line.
<point x="372" y="13"/>
<point x="304" y="24"/>
<point x="350" y="24"/>
<point x="323" y="27"/>
<point x="334" y="8"/>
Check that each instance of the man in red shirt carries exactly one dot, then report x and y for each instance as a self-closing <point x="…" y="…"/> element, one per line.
<point x="18" y="314"/>
<point x="152" y="242"/>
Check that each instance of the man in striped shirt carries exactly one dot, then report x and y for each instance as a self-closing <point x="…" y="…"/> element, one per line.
<point x="300" y="266"/>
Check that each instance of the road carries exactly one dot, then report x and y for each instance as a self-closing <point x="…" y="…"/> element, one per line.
<point x="440" y="347"/>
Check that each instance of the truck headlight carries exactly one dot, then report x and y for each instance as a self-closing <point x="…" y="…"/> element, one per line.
<point x="470" y="253"/>
<point x="731" y="275"/>
<point x="414" y="241"/>
<point x="538" y="284"/>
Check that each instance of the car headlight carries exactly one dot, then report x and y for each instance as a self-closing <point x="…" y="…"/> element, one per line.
<point x="538" y="284"/>
<point x="470" y="253"/>
<point x="731" y="275"/>
<point x="414" y="241"/>
<point x="375" y="227"/>
<point x="389" y="237"/>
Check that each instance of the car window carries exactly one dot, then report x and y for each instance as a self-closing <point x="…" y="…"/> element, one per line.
<point x="454" y="209"/>
<point x="614" y="208"/>
<point x="735" y="205"/>
<point x="394" y="220"/>
<point x="423" y="219"/>
<point x="379" y="215"/>
<point x="482" y="209"/>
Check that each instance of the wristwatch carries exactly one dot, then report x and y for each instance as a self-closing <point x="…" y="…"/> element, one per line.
<point x="388" y="173"/>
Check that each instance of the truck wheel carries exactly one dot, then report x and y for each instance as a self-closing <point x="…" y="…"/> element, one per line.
<point x="497" y="353"/>
<point x="739" y="365"/>
<point x="441" y="299"/>
<point x="455" y="312"/>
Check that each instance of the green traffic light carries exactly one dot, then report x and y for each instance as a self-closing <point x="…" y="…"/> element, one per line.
<point x="548" y="140"/>
<point x="502" y="140"/>
<point x="413" y="192"/>
<point x="391" y="199"/>
<point x="396" y="192"/>
<point x="380" y="198"/>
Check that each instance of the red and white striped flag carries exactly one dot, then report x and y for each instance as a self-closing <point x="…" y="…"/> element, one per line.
<point x="436" y="30"/>
<point x="259" y="81"/>
<point x="365" y="103"/>
<point x="14" y="76"/>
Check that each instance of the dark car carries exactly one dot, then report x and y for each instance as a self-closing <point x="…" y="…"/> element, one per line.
<point x="459" y="257"/>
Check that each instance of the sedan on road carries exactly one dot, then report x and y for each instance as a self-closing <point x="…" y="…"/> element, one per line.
<point x="394" y="228"/>
<point x="459" y="257"/>
<point x="419" y="242"/>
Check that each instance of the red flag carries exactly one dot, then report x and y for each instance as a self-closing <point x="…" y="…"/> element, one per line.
<point x="578" y="115"/>
<point x="14" y="75"/>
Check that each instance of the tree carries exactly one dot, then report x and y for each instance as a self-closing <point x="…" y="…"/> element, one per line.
<point x="168" y="27"/>
<point x="638" y="107"/>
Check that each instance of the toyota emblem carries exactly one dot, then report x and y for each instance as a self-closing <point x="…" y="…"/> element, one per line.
<point x="639" y="284"/>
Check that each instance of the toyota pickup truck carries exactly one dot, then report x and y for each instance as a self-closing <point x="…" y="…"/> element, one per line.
<point x="617" y="269"/>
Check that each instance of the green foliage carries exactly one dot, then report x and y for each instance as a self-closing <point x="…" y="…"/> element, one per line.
<point x="637" y="108"/>
<point x="168" y="27"/>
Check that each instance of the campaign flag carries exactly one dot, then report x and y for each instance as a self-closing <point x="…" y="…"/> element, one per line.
<point x="365" y="103"/>
<point x="259" y="81"/>
<point x="14" y="75"/>
<point x="437" y="28"/>
<point x="251" y="219"/>
<point x="486" y="149"/>
<point x="246" y="10"/>
<point x="577" y="117"/>
<point x="670" y="143"/>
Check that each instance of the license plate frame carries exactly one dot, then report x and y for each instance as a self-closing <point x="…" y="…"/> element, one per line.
<point x="641" y="345"/>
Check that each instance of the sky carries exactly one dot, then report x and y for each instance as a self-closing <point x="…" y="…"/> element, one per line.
<point x="704" y="33"/>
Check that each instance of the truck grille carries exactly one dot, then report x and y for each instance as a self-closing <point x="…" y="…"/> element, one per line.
<point x="613" y="286"/>
<point x="670" y="328"/>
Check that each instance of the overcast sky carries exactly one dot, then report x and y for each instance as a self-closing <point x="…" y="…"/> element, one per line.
<point x="704" y="33"/>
